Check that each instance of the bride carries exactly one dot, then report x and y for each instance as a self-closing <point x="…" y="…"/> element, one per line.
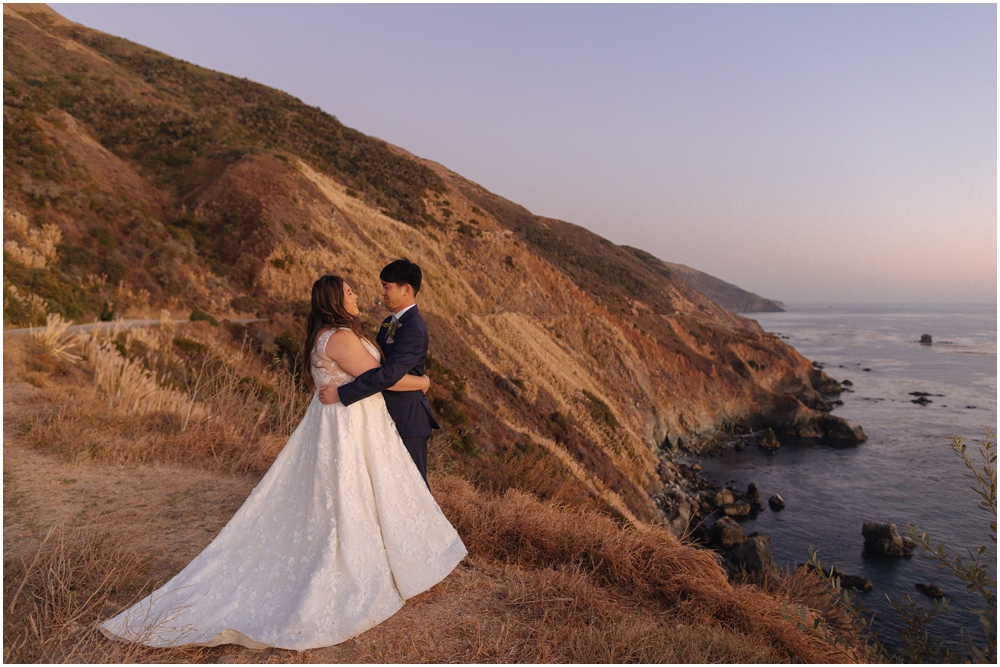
<point x="338" y="533"/>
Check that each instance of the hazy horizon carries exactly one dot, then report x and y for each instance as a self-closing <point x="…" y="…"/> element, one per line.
<point x="810" y="154"/>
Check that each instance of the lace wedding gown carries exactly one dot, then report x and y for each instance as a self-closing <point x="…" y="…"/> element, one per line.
<point x="335" y="536"/>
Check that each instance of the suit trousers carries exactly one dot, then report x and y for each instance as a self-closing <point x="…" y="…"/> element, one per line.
<point x="417" y="447"/>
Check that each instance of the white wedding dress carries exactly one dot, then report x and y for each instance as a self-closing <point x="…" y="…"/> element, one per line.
<point x="338" y="533"/>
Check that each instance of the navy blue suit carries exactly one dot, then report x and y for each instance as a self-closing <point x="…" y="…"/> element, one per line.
<point x="407" y="353"/>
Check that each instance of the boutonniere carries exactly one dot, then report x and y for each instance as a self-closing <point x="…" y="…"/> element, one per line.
<point x="392" y="326"/>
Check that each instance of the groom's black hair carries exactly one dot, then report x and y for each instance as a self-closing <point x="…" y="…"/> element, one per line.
<point x="402" y="272"/>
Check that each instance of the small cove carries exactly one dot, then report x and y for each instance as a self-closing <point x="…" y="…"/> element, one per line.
<point x="906" y="472"/>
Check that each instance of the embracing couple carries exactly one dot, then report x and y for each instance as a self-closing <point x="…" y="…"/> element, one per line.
<point x="342" y="528"/>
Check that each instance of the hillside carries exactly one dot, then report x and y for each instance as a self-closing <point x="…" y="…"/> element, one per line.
<point x="563" y="365"/>
<point x="721" y="293"/>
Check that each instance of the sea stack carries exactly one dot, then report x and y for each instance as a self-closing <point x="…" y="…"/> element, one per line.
<point x="882" y="539"/>
<point x="926" y="339"/>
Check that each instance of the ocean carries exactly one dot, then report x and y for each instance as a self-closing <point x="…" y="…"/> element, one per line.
<point x="905" y="473"/>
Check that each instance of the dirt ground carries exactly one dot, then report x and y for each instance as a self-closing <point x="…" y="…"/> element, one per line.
<point x="173" y="512"/>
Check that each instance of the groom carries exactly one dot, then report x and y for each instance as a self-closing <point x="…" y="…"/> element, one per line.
<point x="403" y="339"/>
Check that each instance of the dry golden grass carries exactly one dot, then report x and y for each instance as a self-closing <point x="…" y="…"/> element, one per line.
<point x="53" y="338"/>
<point x="804" y="588"/>
<point x="75" y="580"/>
<point x="235" y="414"/>
<point x="650" y="565"/>
<point x="544" y="582"/>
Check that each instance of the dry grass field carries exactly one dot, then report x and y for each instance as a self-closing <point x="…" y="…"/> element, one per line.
<point x="110" y="488"/>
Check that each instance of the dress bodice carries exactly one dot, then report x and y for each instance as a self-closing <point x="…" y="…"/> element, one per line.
<point x="325" y="370"/>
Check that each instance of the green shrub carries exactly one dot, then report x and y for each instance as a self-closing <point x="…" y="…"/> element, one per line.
<point x="600" y="412"/>
<point x="244" y="304"/>
<point x="463" y="441"/>
<point x="446" y="377"/>
<point x="188" y="346"/>
<point x="198" y="316"/>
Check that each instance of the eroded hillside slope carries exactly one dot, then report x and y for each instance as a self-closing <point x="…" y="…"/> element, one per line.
<point x="563" y="364"/>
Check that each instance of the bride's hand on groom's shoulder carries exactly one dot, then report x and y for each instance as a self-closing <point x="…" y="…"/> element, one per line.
<point x="328" y="395"/>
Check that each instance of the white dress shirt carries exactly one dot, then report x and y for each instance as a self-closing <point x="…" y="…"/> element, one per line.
<point x="398" y="314"/>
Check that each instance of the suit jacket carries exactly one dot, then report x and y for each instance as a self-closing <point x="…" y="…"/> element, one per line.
<point x="407" y="353"/>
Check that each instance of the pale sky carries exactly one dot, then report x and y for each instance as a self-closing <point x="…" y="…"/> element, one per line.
<point x="809" y="153"/>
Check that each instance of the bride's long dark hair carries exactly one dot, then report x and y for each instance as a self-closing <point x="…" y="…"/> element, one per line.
<point x="328" y="312"/>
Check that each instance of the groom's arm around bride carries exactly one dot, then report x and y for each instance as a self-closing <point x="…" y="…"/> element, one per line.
<point x="404" y="340"/>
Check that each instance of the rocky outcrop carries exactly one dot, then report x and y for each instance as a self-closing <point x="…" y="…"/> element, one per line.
<point x="930" y="590"/>
<point x="776" y="502"/>
<point x="727" y="533"/>
<point x="739" y="508"/>
<point x="883" y="539"/>
<point x="753" y="555"/>
<point x="788" y="416"/>
<point x="926" y="339"/>
<point x="724" y="497"/>
<point x="824" y="384"/>
<point x="849" y="581"/>
<point x="768" y="440"/>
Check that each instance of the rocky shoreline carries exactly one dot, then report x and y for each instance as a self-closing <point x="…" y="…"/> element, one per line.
<point x="708" y="514"/>
<point x="694" y="508"/>
<point x="800" y="410"/>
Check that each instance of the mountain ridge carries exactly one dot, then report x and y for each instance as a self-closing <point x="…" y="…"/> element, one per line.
<point x="727" y="295"/>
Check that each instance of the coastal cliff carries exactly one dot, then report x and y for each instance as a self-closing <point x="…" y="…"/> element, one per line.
<point x="725" y="294"/>
<point x="134" y="182"/>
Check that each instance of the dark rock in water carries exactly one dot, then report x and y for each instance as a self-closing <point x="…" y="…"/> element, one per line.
<point x="724" y="497"/>
<point x="867" y="370"/>
<point x="753" y="497"/>
<point x="923" y="400"/>
<point x="754" y="554"/>
<point x="696" y="467"/>
<point x="970" y="407"/>
<point x="847" y="383"/>
<point x="855" y="582"/>
<point x="776" y="502"/>
<point x="769" y="440"/>
<point x="700" y="533"/>
<point x="835" y="428"/>
<point x="920" y="393"/>
<point x="822" y="382"/>
<point x="849" y="581"/>
<point x="727" y="533"/>
<point x="738" y="446"/>
<point x="926" y="339"/>
<point x="882" y="539"/>
<point x="736" y="509"/>
<point x="788" y="416"/>
<point x="930" y="590"/>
